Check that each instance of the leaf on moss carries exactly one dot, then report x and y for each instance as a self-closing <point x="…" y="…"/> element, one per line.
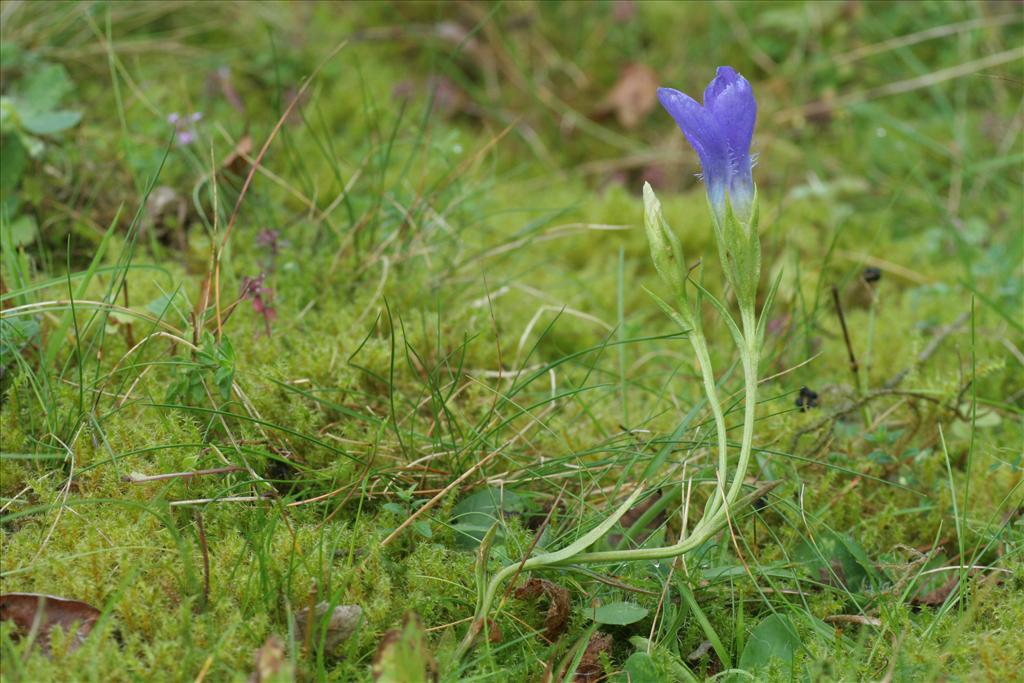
<point x="618" y="613"/>
<point x="50" y="122"/>
<point x="15" y="157"/>
<point x="774" y="638"/>
<point x="237" y="161"/>
<point x="938" y="596"/>
<point x="558" y="604"/>
<point x="44" y="88"/>
<point x="35" y="614"/>
<point x="633" y="96"/>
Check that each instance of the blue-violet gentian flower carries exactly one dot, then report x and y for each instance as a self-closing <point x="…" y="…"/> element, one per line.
<point x="720" y="131"/>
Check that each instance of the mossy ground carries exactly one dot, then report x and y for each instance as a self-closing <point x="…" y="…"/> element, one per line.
<point x="459" y="268"/>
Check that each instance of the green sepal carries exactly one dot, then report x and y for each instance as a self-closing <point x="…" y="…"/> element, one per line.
<point x="739" y="249"/>
<point x="769" y="299"/>
<point x="723" y="311"/>
<point x="684" y="320"/>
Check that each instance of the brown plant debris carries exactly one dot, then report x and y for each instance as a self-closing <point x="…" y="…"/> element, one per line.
<point x="558" y="604"/>
<point x="590" y="669"/>
<point x="35" y="615"/>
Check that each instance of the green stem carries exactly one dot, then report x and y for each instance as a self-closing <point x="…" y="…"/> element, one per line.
<point x="700" y="348"/>
<point x="484" y="608"/>
<point x="669" y="496"/>
<point x="750" y="358"/>
<point x="717" y="512"/>
<point x="716" y="517"/>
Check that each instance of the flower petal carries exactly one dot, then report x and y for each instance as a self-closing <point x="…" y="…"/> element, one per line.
<point x="730" y="100"/>
<point x="703" y="133"/>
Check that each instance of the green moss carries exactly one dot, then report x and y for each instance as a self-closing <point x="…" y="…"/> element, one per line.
<point x="440" y="299"/>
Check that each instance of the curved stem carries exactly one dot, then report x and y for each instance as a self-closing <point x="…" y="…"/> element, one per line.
<point x="750" y="357"/>
<point x="700" y="348"/>
<point x="716" y="517"/>
<point x="717" y="514"/>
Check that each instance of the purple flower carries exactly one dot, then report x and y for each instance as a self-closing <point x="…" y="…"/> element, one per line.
<point x="720" y="132"/>
<point x="254" y="289"/>
<point x="184" y="127"/>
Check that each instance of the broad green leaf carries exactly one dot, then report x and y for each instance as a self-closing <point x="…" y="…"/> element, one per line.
<point x="618" y="613"/>
<point x="44" y="88"/>
<point x="49" y="122"/>
<point x="161" y="305"/>
<point x="24" y="231"/>
<point x="14" y="156"/>
<point x="839" y="555"/>
<point x="476" y="513"/>
<point x="395" y="509"/>
<point x="774" y="638"/>
<point x="640" y="668"/>
<point x="15" y="334"/>
<point x="11" y="55"/>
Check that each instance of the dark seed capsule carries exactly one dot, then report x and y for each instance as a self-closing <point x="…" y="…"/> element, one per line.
<point x="807" y="399"/>
<point x="872" y="274"/>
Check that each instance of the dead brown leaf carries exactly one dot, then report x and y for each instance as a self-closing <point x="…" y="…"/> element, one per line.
<point x="938" y="596"/>
<point x="558" y="604"/>
<point x="493" y="631"/>
<point x="633" y="96"/>
<point x="237" y="162"/>
<point x="343" y="622"/>
<point x="271" y="662"/>
<point x="590" y="669"/>
<point x="35" y="615"/>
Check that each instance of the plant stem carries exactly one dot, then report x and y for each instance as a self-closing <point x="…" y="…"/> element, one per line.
<point x="700" y="348"/>
<point x="750" y="359"/>
<point x="717" y="512"/>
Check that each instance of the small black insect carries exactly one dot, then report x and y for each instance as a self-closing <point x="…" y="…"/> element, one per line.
<point x="872" y="274"/>
<point x="807" y="399"/>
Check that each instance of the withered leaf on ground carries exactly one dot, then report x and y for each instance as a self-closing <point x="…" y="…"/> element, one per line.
<point x="35" y="615"/>
<point x="402" y="655"/>
<point x="939" y="595"/>
<point x="558" y="604"/>
<point x="343" y="622"/>
<point x="590" y="670"/>
<point x="633" y="96"/>
<point x="237" y="161"/>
